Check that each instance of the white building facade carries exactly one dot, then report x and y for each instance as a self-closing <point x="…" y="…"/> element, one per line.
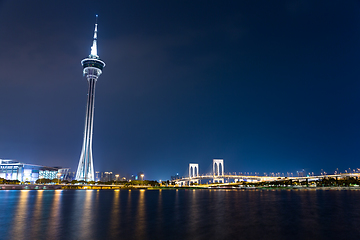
<point x="24" y="172"/>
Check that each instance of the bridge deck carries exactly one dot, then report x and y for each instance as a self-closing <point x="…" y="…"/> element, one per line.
<point x="268" y="178"/>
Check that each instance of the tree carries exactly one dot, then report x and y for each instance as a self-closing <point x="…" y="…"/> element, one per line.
<point x="43" y="181"/>
<point x="55" y="180"/>
<point x="65" y="182"/>
<point x="74" y="181"/>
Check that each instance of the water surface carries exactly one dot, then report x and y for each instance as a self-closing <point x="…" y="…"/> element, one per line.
<point x="179" y="214"/>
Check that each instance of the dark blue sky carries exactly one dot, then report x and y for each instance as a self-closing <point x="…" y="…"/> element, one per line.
<point x="267" y="86"/>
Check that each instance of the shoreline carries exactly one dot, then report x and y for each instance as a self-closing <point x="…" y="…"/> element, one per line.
<point x="121" y="187"/>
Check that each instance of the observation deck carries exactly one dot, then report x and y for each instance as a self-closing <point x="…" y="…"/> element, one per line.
<point x="93" y="62"/>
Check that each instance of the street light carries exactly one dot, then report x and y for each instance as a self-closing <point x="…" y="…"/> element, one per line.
<point x="58" y="175"/>
<point x="142" y="178"/>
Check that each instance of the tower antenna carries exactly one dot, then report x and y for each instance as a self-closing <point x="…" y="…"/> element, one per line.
<point x="93" y="53"/>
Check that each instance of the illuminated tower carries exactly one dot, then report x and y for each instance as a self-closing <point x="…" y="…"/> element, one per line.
<point x="92" y="69"/>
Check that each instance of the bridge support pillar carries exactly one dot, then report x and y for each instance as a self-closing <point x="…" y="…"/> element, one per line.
<point x="180" y="183"/>
<point x="197" y="181"/>
<point x="218" y="180"/>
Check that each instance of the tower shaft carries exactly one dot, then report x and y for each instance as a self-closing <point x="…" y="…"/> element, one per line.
<point x="85" y="169"/>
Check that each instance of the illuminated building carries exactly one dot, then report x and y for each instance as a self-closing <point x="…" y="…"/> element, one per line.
<point x="177" y="176"/>
<point x="71" y="176"/>
<point x="97" y="176"/>
<point x="92" y="69"/>
<point x="24" y="172"/>
<point x="106" y="176"/>
<point x="140" y="176"/>
<point x="117" y="177"/>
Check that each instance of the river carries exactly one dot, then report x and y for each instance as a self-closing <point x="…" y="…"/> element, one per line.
<point x="179" y="214"/>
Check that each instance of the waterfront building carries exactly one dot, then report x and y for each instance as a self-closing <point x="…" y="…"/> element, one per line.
<point x="140" y="176"/>
<point x="97" y="176"/>
<point x="117" y="177"/>
<point x="131" y="177"/>
<point x="25" y="172"/>
<point x="177" y="176"/>
<point x="70" y="176"/>
<point x="92" y="69"/>
<point x="106" y="176"/>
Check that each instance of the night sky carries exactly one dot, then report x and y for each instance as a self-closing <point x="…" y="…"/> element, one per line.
<point x="269" y="86"/>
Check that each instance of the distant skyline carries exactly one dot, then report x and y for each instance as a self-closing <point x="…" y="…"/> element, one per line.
<point x="266" y="86"/>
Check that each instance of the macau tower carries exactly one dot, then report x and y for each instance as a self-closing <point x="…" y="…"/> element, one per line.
<point x="92" y="69"/>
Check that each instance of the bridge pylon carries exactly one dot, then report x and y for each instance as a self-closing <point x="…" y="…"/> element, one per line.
<point x="218" y="164"/>
<point x="193" y="173"/>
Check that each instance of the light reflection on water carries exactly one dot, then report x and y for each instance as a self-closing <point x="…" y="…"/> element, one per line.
<point x="55" y="212"/>
<point x="86" y="217"/>
<point x="20" y="216"/>
<point x="179" y="214"/>
<point x="128" y="204"/>
<point x="160" y="214"/>
<point x="193" y="214"/>
<point x="37" y="213"/>
<point x="115" y="218"/>
<point x="141" y="217"/>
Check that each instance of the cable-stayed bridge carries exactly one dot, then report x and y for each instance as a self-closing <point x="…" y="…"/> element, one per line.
<point x="219" y="176"/>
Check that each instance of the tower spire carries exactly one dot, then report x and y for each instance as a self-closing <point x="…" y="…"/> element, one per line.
<point x="93" y="53"/>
